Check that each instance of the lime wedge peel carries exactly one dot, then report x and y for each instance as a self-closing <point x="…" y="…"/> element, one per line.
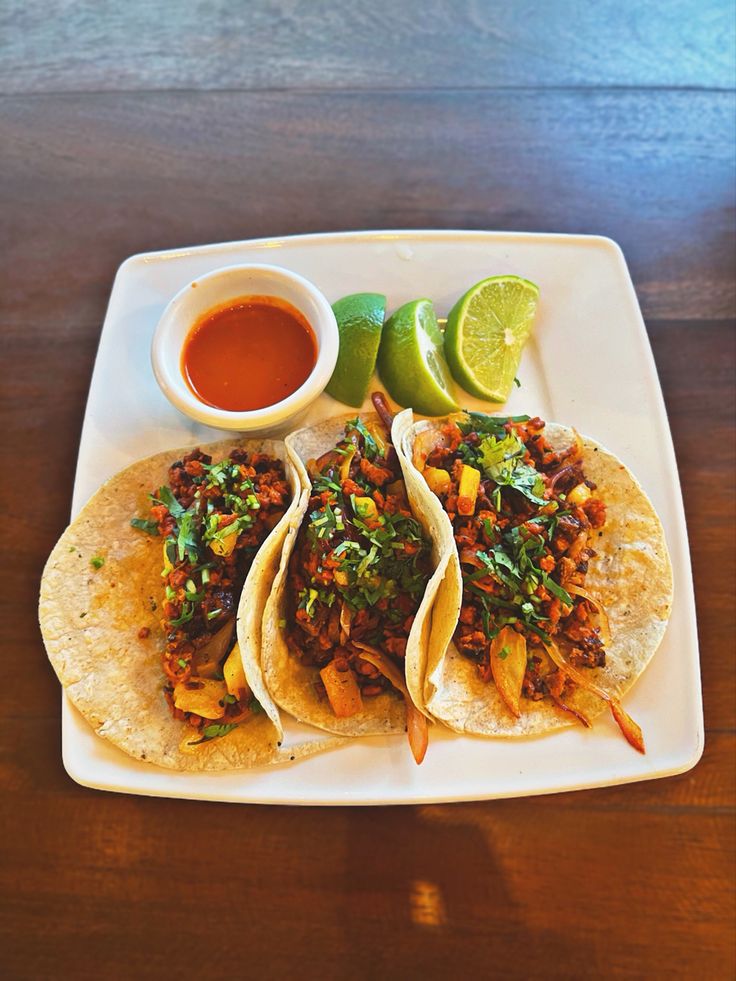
<point x="486" y="333"/>
<point x="359" y="323"/>
<point x="411" y="361"/>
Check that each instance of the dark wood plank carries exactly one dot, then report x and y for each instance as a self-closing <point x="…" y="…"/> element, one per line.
<point x="697" y="366"/>
<point x="67" y="46"/>
<point x="420" y="887"/>
<point x="90" y="180"/>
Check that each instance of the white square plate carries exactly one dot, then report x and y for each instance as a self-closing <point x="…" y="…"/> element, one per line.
<point x="588" y="364"/>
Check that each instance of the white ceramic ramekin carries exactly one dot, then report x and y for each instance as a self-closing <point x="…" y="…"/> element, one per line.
<point x="213" y="290"/>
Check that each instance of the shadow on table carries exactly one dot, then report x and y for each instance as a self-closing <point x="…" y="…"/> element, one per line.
<point x="439" y="895"/>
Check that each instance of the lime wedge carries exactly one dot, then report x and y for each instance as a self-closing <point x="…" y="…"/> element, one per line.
<point x="411" y="363"/>
<point x="360" y="322"/>
<point x="486" y="332"/>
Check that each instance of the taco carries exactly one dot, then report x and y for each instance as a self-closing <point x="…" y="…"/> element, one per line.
<point x="140" y="596"/>
<point x="347" y="616"/>
<point x="558" y="586"/>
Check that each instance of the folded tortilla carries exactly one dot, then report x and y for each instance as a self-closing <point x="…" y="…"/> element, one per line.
<point x="92" y="620"/>
<point x="290" y="682"/>
<point x="631" y="575"/>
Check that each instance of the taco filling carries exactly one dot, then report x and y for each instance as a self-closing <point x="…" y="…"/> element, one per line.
<point x="213" y="518"/>
<point x="358" y="574"/>
<point x="525" y="518"/>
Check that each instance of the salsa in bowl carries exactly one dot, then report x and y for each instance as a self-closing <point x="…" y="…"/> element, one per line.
<point x="245" y="348"/>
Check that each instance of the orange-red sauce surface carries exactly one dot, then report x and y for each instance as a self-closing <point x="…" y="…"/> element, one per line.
<point x="251" y="353"/>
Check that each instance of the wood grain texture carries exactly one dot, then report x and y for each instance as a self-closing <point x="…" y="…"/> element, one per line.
<point x="111" y="175"/>
<point x="64" y="45"/>
<point x="289" y="116"/>
<point x="366" y="894"/>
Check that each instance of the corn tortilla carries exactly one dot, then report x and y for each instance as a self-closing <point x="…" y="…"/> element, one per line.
<point x="631" y="575"/>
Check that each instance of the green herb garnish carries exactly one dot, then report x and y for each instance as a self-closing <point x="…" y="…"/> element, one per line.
<point x="165" y="496"/>
<point x="218" y="729"/>
<point x="150" y="527"/>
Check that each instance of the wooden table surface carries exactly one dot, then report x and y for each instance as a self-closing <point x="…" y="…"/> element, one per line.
<point x="138" y="126"/>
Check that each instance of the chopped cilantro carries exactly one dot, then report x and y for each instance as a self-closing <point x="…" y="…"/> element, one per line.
<point x="187" y="541"/>
<point x="150" y="527"/>
<point x="503" y="653"/>
<point x="502" y="461"/>
<point x="165" y="496"/>
<point x="218" y="729"/>
<point x="97" y="561"/>
<point x="481" y="422"/>
<point x="556" y="590"/>
<point x="370" y="446"/>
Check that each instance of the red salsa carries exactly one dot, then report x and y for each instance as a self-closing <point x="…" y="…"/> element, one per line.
<point x="251" y="353"/>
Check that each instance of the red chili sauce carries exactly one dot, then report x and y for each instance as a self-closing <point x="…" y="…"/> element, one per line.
<point x="253" y="352"/>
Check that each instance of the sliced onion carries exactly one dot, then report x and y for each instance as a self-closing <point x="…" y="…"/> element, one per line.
<point x="603" y="616"/>
<point x="508" y="671"/>
<point x="569" y="457"/>
<point x="417" y="730"/>
<point x="577" y="452"/>
<point x="469" y="556"/>
<point x="343" y="692"/>
<point x="347" y="460"/>
<point x="346" y="618"/>
<point x="416" y="722"/>
<point x="567" y="708"/>
<point x="425" y="443"/>
<point x="384" y="664"/>
<point x="632" y="732"/>
<point x="577" y="546"/>
<point x="212" y="653"/>
<point x="560" y="473"/>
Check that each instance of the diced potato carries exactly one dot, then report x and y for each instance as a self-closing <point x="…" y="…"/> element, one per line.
<point x="203" y="696"/>
<point x="208" y="659"/>
<point x="234" y="674"/>
<point x="226" y="544"/>
<point x="578" y="495"/>
<point x="396" y="488"/>
<point x="508" y="664"/>
<point x="342" y="690"/>
<point x="365" y="507"/>
<point x="206" y="666"/>
<point x="468" y="490"/>
<point x="438" y="480"/>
